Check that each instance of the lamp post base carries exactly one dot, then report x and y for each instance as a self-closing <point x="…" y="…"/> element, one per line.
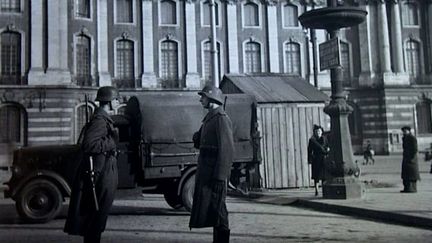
<point x="342" y="188"/>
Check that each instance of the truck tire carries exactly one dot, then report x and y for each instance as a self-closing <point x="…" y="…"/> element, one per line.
<point x="174" y="200"/>
<point x="187" y="192"/>
<point x="39" y="201"/>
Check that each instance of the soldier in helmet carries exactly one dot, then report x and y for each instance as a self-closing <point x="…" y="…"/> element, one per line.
<point x="89" y="208"/>
<point x="216" y="145"/>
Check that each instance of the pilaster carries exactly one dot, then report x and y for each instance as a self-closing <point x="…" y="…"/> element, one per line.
<point x="192" y="77"/>
<point x="102" y="45"/>
<point x="36" y="72"/>
<point x="148" y="79"/>
<point x="273" y="39"/>
<point x="233" y="59"/>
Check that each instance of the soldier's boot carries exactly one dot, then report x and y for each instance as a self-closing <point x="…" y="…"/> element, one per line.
<point x="92" y="238"/>
<point x="221" y="235"/>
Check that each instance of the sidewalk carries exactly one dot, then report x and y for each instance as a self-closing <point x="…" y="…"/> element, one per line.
<point x="382" y="200"/>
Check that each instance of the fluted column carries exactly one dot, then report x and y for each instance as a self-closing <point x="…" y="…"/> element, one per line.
<point x="102" y="45"/>
<point x="36" y="56"/>
<point x="273" y="39"/>
<point x="148" y="79"/>
<point x="192" y="76"/>
<point x="367" y="73"/>
<point x="58" y="71"/>
<point x="383" y="34"/>
<point x="233" y="58"/>
<point x="397" y="37"/>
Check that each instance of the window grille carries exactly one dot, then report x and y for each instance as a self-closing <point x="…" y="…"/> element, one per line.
<point x="125" y="63"/>
<point x="169" y="64"/>
<point x="10" y="58"/>
<point x="83" y="57"/>
<point x="207" y="60"/>
<point x="11" y="6"/>
<point x="413" y="58"/>
<point x="253" y="57"/>
<point x="292" y="61"/>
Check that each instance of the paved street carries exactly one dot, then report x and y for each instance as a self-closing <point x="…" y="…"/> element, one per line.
<point x="151" y="220"/>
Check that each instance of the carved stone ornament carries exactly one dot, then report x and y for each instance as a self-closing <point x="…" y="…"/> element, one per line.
<point x="271" y="2"/>
<point x="169" y="36"/>
<point x="84" y="31"/>
<point x="232" y="2"/>
<point x="125" y="35"/>
<point x="11" y="27"/>
<point x="191" y="1"/>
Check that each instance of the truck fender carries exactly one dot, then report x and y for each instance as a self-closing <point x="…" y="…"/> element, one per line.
<point x="189" y="172"/>
<point x="54" y="177"/>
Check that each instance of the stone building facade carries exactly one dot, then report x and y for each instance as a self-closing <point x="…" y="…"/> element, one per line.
<point x="53" y="53"/>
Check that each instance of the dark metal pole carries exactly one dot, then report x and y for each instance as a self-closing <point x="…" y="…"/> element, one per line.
<point x="213" y="49"/>
<point x="314" y="53"/>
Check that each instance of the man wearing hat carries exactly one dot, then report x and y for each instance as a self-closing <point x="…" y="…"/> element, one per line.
<point x="410" y="171"/>
<point x="94" y="186"/>
<point x="216" y="144"/>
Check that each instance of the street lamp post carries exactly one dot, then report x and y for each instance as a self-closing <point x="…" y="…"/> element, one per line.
<point x="340" y="181"/>
<point x="213" y="48"/>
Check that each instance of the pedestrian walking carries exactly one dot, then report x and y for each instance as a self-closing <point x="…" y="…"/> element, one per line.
<point x="368" y="154"/>
<point x="97" y="178"/>
<point x="410" y="171"/>
<point x="318" y="149"/>
<point x="216" y="149"/>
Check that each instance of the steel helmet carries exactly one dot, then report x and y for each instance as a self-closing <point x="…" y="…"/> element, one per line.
<point x="107" y="93"/>
<point x="213" y="93"/>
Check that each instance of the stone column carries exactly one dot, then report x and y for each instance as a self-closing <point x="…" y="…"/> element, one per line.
<point x="233" y="58"/>
<point x="58" y="71"/>
<point x="148" y="79"/>
<point x="367" y="74"/>
<point x="36" y="72"/>
<point x="192" y="77"/>
<point x="429" y="16"/>
<point x="102" y="45"/>
<point x="383" y="33"/>
<point x="273" y="40"/>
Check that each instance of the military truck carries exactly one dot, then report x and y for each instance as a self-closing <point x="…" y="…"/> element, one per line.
<point x="156" y="153"/>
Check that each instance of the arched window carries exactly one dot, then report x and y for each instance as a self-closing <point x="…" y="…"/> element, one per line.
<point x="207" y="69"/>
<point x="12" y="124"/>
<point x="169" y="64"/>
<point x="81" y="116"/>
<point x="11" y="6"/>
<point x="345" y="63"/>
<point x="424" y="118"/>
<point x="10" y="58"/>
<point x="290" y="12"/>
<point x="82" y="9"/>
<point x="206" y="13"/>
<point x="83" y="61"/>
<point x="124" y="11"/>
<point x="253" y="57"/>
<point x="410" y="13"/>
<point x="292" y="58"/>
<point x="413" y="58"/>
<point x="125" y="63"/>
<point x="168" y="12"/>
<point x="251" y="14"/>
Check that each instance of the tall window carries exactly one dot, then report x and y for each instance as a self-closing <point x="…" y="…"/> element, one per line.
<point x="10" y="58"/>
<point x="413" y="58"/>
<point x="124" y="11"/>
<point x="424" y="116"/>
<point x="168" y="12"/>
<point x="12" y="6"/>
<point x="292" y="58"/>
<point x="81" y="116"/>
<point x="206" y="13"/>
<point x="125" y="63"/>
<point x="345" y="63"/>
<point x="83" y="64"/>
<point x="82" y="8"/>
<point x="290" y="15"/>
<point x="251" y="14"/>
<point x="11" y="124"/>
<point x="410" y="13"/>
<point x="252" y="57"/>
<point x="169" y="64"/>
<point x="207" y="60"/>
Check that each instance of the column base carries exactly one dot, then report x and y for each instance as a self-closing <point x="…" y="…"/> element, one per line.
<point x="57" y="76"/>
<point x="368" y="79"/>
<point x="105" y="79"/>
<point x="193" y="81"/>
<point x="36" y="76"/>
<point x="149" y="80"/>
<point x="398" y="79"/>
<point x="342" y="188"/>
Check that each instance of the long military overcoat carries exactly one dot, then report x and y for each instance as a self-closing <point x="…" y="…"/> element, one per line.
<point x="99" y="142"/>
<point x="410" y="170"/>
<point x="317" y="151"/>
<point x="216" y="146"/>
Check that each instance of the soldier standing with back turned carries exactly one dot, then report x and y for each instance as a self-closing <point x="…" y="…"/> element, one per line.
<point x="88" y="208"/>
<point x="410" y="170"/>
<point x="216" y="145"/>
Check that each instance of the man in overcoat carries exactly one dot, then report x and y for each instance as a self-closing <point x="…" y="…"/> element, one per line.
<point x="318" y="149"/>
<point x="410" y="171"/>
<point x="85" y="217"/>
<point x="216" y="144"/>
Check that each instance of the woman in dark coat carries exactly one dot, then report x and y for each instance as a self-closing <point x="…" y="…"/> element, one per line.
<point x="85" y="217"/>
<point x="410" y="170"/>
<point x="317" y="151"/>
<point x="216" y="144"/>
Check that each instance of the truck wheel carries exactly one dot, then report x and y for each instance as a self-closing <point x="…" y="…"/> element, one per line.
<point x="187" y="192"/>
<point x="39" y="201"/>
<point x="174" y="200"/>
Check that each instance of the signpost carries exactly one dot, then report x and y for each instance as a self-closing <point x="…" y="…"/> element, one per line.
<point x="329" y="54"/>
